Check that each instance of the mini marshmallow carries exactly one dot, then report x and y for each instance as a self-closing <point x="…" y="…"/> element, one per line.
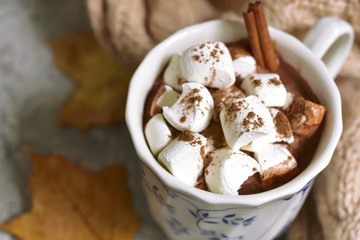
<point x="157" y="133"/>
<point x="193" y="110"/>
<point x="281" y="132"/>
<point x="228" y="170"/>
<point x="208" y="63"/>
<point x="245" y="120"/>
<point x="183" y="157"/>
<point x="244" y="65"/>
<point x="275" y="161"/>
<point x="223" y="97"/>
<point x="267" y="87"/>
<point x="305" y="116"/>
<point x="165" y="96"/>
<point x="172" y="74"/>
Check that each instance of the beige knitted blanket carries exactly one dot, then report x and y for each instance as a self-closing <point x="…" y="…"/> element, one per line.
<point x="130" y="28"/>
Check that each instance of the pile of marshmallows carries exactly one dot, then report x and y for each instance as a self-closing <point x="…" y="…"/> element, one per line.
<point x="246" y="115"/>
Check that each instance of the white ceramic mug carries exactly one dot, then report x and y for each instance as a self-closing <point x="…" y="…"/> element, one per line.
<point x="185" y="212"/>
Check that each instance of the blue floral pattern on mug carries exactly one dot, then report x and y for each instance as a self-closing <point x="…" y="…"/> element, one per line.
<point x="187" y="218"/>
<point x="204" y="220"/>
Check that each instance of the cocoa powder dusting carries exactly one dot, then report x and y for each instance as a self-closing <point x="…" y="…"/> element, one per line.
<point x="190" y="100"/>
<point x="251" y="115"/>
<point x="189" y="136"/>
<point x="261" y="121"/>
<point x="233" y="109"/>
<point x="186" y="136"/>
<point x="196" y="58"/>
<point x="253" y="121"/>
<point x="274" y="81"/>
<point x="213" y="75"/>
<point x="202" y="153"/>
<point x="183" y="119"/>
<point x="257" y="83"/>
<point x="282" y="125"/>
<point x="214" y="53"/>
<point x="246" y="122"/>
<point x="197" y="98"/>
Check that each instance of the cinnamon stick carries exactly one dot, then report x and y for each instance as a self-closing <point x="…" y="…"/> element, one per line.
<point x="253" y="37"/>
<point x="267" y="47"/>
<point x="259" y="37"/>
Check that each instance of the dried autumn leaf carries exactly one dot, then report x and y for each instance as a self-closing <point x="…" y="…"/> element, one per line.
<point x="71" y="203"/>
<point x="100" y="95"/>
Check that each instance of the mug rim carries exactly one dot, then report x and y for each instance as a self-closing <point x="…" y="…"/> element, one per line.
<point x="293" y="186"/>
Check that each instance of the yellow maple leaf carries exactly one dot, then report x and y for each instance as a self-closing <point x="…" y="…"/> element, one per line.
<point x="100" y="95"/>
<point x="71" y="203"/>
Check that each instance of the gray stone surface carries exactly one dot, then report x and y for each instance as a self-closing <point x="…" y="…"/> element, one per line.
<point x="32" y="91"/>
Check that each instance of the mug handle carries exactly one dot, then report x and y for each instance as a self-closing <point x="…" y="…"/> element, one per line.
<point x="330" y="39"/>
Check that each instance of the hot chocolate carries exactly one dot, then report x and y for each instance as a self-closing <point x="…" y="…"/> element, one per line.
<point x="248" y="133"/>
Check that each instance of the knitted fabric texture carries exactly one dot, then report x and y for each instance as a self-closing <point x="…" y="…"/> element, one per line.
<point x="129" y="29"/>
